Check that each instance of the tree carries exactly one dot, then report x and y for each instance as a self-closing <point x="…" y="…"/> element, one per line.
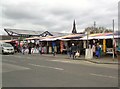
<point x="93" y="30"/>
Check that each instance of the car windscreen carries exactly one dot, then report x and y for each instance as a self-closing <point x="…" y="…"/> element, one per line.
<point x="7" y="45"/>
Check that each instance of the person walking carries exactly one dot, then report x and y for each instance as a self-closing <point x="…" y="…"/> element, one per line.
<point x="69" y="51"/>
<point x="93" y="49"/>
<point x="30" y="47"/>
<point x="54" y="51"/>
<point x="98" y="49"/>
<point x="23" y="49"/>
<point x="73" y="50"/>
<point x="53" y="48"/>
<point x="40" y="50"/>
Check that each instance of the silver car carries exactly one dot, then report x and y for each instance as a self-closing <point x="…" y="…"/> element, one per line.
<point x="6" y="48"/>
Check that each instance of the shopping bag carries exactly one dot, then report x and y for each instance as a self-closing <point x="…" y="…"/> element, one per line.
<point x="77" y="54"/>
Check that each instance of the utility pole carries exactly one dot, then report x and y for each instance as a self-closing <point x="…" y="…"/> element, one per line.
<point x="94" y="26"/>
<point x="113" y="40"/>
<point x="87" y="40"/>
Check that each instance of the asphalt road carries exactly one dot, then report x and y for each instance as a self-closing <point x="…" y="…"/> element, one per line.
<point x="46" y="71"/>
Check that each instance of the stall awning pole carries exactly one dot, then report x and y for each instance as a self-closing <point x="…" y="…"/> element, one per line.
<point x="87" y="39"/>
<point x="113" y="40"/>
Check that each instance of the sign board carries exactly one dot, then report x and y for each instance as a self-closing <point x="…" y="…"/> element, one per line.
<point x="88" y="54"/>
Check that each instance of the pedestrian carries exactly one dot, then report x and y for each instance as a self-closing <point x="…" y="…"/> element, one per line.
<point x="69" y="51"/>
<point x="23" y="49"/>
<point x="40" y="50"/>
<point x="93" y="49"/>
<point x="77" y="54"/>
<point x="29" y="47"/>
<point x="53" y="48"/>
<point x="98" y="49"/>
<point x="73" y="49"/>
<point x="54" y="51"/>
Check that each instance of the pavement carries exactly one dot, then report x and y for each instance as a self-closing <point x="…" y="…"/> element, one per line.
<point x="102" y="60"/>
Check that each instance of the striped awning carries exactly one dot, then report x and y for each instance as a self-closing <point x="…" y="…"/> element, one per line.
<point x="101" y="36"/>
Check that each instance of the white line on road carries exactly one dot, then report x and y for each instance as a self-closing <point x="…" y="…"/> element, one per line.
<point x="60" y="60"/>
<point x="6" y="67"/>
<point x="5" y="60"/>
<point x="22" y="57"/>
<point x="107" y="76"/>
<point x="18" y="56"/>
<point x="46" y="66"/>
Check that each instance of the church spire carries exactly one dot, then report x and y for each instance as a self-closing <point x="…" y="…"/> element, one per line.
<point x="74" y="28"/>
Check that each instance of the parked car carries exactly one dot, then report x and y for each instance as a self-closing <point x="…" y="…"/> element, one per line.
<point x="6" y="48"/>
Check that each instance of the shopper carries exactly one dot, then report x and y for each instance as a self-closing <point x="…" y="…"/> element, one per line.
<point x="98" y="49"/>
<point x="30" y="47"/>
<point x="40" y="50"/>
<point x="69" y="51"/>
<point x="93" y="49"/>
<point x="73" y="49"/>
<point x="23" y="49"/>
<point x="53" y="48"/>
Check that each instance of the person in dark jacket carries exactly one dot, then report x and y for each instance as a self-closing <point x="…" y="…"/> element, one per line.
<point x="53" y="48"/>
<point x="73" y="50"/>
<point x="30" y="47"/>
<point x="69" y="51"/>
<point x="23" y="49"/>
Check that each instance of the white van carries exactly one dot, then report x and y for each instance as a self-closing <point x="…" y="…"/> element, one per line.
<point x="6" y="48"/>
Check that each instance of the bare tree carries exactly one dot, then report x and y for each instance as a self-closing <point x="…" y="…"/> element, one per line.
<point x="93" y="30"/>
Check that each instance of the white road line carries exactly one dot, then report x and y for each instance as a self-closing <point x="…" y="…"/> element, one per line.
<point x="17" y="56"/>
<point x="107" y="76"/>
<point x="29" y="58"/>
<point x="23" y="57"/>
<point x="6" y="67"/>
<point x="46" y="66"/>
<point x="5" y="60"/>
<point x="62" y="61"/>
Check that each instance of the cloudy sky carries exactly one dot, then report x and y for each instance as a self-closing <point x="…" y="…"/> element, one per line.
<point x="57" y="15"/>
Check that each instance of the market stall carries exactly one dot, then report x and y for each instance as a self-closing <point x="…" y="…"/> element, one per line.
<point x="105" y="40"/>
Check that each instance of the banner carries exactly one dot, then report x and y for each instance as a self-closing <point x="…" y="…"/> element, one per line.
<point x="61" y="46"/>
<point x="104" y="45"/>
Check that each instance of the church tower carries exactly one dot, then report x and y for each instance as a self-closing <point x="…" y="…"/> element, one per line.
<point x="74" y="28"/>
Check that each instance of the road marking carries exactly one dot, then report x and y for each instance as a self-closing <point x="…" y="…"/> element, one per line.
<point x="23" y="57"/>
<point x="107" y="76"/>
<point x="6" y="67"/>
<point x="5" y="60"/>
<point x="46" y="66"/>
<point x="61" y="61"/>
<point x="18" y="56"/>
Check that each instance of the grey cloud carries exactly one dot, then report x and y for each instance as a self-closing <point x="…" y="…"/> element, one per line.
<point x="60" y="11"/>
<point x="8" y="24"/>
<point x="59" y="18"/>
<point x="13" y="12"/>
